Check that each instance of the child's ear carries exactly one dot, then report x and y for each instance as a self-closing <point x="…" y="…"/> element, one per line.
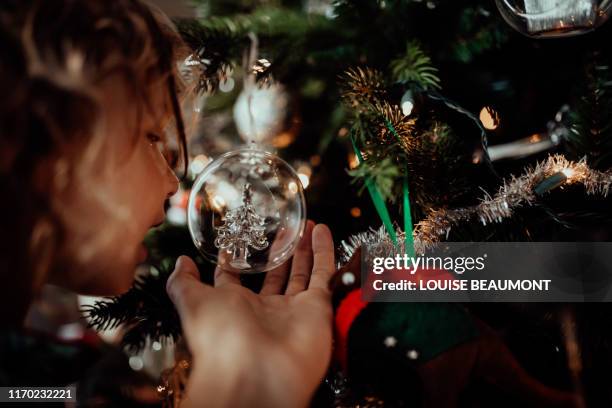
<point x="346" y="279"/>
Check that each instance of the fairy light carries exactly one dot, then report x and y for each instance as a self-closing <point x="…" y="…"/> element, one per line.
<point x="293" y="187"/>
<point x="356" y="212"/>
<point x="304" y="179"/>
<point x="407" y="103"/>
<point x="489" y="118"/>
<point x="407" y="107"/>
<point x="353" y="161"/>
<point x="569" y="172"/>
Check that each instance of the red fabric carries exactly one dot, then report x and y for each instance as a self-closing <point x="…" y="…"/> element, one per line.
<point x="352" y="305"/>
<point x="349" y="309"/>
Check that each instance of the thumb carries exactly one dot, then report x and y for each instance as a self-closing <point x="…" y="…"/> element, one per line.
<point x="185" y="265"/>
<point x="183" y="284"/>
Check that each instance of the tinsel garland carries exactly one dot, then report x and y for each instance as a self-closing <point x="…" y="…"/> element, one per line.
<point x="515" y="193"/>
<point x="518" y="192"/>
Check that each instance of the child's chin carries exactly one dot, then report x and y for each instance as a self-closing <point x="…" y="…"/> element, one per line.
<point x="110" y="285"/>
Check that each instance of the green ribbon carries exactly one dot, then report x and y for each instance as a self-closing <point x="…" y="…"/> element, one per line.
<point x="376" y="197"/>
<point x="408" y="239"/>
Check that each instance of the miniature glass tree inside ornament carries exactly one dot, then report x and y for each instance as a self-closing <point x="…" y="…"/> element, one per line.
<point x="554" y="18"/>
<point x="246" y="211"/>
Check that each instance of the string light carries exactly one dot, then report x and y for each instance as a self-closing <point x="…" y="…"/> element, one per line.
<point x="569" y="173"/>
<point x="304" y="172"/>
<point x="304" y="179"/>
<point x="353" y="161"/>
<point x="489" y="118"/>
<point x="518" y="192"/>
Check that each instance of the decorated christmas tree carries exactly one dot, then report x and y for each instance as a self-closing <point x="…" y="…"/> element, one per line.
<point x="411" y="122"/>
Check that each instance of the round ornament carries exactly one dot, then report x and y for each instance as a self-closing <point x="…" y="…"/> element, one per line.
<point x="246" y="211"/>
<point x="261" y="113"/>
<point x="554" y="18"/>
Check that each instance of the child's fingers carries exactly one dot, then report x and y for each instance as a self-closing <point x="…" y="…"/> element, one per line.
<point x="323" y="257"/>
<point x="276" y="278"/>
<point x="184" y="286"/>
<point x="301" y="267"/>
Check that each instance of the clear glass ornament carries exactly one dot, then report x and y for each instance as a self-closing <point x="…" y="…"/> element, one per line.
<point x="554" y="18"/>
<point x="247" y="211"/>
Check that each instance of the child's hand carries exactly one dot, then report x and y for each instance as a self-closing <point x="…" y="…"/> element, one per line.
<point x="269" y="349"/>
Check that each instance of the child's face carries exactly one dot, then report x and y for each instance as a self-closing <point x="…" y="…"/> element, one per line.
<point x="120" y="196"/>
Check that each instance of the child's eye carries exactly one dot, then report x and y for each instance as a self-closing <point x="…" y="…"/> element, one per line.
<point x="153" y="138"/>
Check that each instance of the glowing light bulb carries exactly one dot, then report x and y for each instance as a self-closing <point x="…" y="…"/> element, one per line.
<point x="304" y="179"/>
<point x="489" y="118"/>
<point x="569" y="173"/>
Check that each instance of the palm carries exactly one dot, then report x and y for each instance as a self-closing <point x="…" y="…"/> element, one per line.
<point x="285" y="328"/>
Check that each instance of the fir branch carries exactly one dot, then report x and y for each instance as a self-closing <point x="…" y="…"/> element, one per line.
<point x="385" y="174"/>
<point x="395" y="127"/>
<point x="145" y="310"/>
<point x="215" y="52"/>
<point x="415" y="66"/>
<point x="480" y="30"/>
<point x="591" y="121"/>
<point x="363" y="88"/>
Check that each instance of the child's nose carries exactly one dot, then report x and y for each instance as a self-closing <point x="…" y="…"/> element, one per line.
<point x="173" y="184"/>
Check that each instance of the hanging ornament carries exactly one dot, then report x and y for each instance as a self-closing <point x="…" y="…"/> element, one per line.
<point x="246" y="211"/>
<point x="262" y="112"/>
<point x="554" y="18"/>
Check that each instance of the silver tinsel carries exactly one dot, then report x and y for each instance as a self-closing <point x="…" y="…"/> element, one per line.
<point x="379" y="244"/>
<point x="515" y="193"/>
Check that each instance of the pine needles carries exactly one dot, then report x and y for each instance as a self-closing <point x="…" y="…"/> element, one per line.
<point x="591" y="121"/>
<point x="415" y="66"/>
<point x="145" y="310"/>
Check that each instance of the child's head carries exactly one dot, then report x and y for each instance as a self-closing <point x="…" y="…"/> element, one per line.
<point x="89" y="92"/>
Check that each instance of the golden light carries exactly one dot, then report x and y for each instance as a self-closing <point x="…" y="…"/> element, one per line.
<point x="353" y="161"/>
<point x="356" y="212"/>
<point x="342" y="132"/>
<point x="293" y="187"/>
<point x="304" y="169"/>
<point x="489" y="118"/>
<point x="535" y="138"/>
<point x="304" y="172"/>
<point x="315" y="160"/>
<point x="282" y="140"/>
<point x="569" y="173"/>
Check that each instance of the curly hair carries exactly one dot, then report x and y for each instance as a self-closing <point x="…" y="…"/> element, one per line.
<point x="54" y="55"/>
